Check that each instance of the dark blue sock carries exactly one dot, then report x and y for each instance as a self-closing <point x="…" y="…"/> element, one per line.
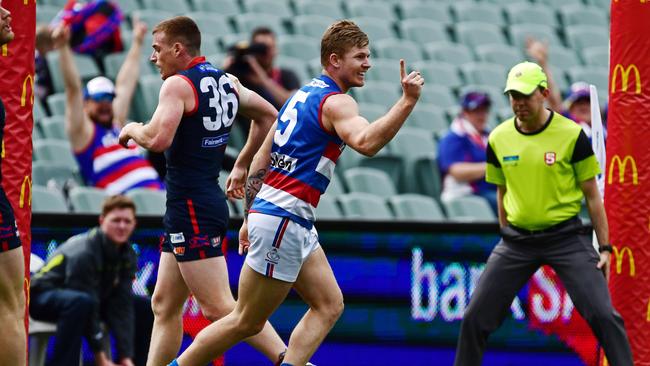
<point x="283" y="364"/>
<point x="174" y="363"/>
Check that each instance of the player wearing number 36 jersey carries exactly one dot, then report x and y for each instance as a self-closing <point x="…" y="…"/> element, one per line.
<point x="290" y="172"/>
<point x="197" y="106"/>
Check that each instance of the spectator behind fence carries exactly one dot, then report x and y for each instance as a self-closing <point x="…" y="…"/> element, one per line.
<point x="577" y="105"/>
<point x="253" y="64"/>
<point x="87" y="281"/>
<point x="95" y="115"/>
<point x="461" y="153"/>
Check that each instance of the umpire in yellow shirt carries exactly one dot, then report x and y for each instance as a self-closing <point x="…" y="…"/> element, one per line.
<point x="543" y="165"/>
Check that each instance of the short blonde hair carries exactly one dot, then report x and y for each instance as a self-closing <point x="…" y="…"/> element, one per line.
<point x="181" y="29"/>
<point x="339" y="38"/>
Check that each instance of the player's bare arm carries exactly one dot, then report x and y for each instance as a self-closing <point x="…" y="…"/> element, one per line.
<point x="175" y="98"/>
<point x="598" y="219"/>
<point x="127" y="77"/>
<point x="341" y="114"/>
<point x="77" y="126"/>
<point x="262" y="115"/>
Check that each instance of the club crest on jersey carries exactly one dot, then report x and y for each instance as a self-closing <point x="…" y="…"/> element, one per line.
<point x="284" y="162"/>
<point x="549" y="158"/>
<point x="272" y="256"/>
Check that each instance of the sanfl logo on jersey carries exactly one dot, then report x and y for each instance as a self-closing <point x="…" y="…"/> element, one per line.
<point x="318" y="83"/>
<point x="549" y="158"/>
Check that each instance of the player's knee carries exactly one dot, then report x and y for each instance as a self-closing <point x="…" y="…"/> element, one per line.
<point x="247" y="328"/>
<point x="215" y="313"/>
<point x="164" y="309"/>
<point x="332" y="309"/>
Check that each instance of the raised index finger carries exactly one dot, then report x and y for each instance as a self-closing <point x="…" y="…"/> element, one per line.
<point x="402" y="68"/>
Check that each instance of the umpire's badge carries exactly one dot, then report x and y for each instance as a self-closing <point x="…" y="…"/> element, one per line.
<point x="549" y="158"/>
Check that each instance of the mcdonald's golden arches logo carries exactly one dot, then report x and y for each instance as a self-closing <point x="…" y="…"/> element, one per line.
<point x="5" y="50"/>
<point x="619" y="255"/>
<point x="27" y="184"/>
<point x="622" y="167"/>
<point x="23" y="95"/>
<point x="625" y="77"/>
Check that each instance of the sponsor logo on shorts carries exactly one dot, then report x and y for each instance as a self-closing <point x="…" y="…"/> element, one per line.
<point x="215" y="141"/>
<point x="549" y="158"/>
<point x="284" y="162"/>
<point x="199" y="241"/>
<point x="179" y="250"/>
<point x="215" y="241"/>
<point x="176" y="238"/>
<point x="272" y="256"/>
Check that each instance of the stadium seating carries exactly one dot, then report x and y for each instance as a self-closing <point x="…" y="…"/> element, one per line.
<point x="369" y="180"/>
<point x="213" y="23"/>
<point x="525" y="12"/>
<point x="85" y="65"/>
<point x="226" y="8"/>
<point x="431" y="12"/>
<point x="311" y="25"/>
<point x="278" y="8"/>
<point x="247" y="22"/>
<point x="596" y="56"/>
<point x="470" y="11"/>
<point x="56" y="151"/>
<point x="300" y="47"/>
<point x="578" y="14"/>
<point x="474" y="34"/>
<point x="364" y="206"/>
<point x="376" y="28"/>
<point x="328" y="209"/>
<point x="469" y="208"/>
<point x="393" y="48"/>
<point x="46" y="173"/>
<point x="329" y="9"/>
<point x="369" y="9"/>
<point x="177" y="7"/>
<point x="501" y="54"/>
<point x="87" y="200"/>
<point x="439" y="73"/>
<point x="423" y="31"/>
<point x="45" y="200"/>
<point x="56" y="103"/>
<point x="415" y="207"/>
<point x="148" y="202"/>
<point x="448" y="52"/>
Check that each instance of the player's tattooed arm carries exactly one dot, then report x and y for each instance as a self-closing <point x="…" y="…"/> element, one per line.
<point x="253" y="186"/>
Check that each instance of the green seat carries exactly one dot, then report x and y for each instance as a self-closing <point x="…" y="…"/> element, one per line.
<point x="470" y="11"/>
<point x="173" y="6"/>
<point x="364" y="206"/>
<point x="448" y="52"/>
<point x="428" y="117"/>
<point x="229" y="40"/>
<point x="602" y="4"/>
<point x="87" y="200"/>
<point x="438" y="95"/>
<point x="596" y="56"/>
<point x="300" y="47"/>
<point x="469" y="208"/>
<point x="298" y="66"/>
<point x="38" y="110"/>
<point x="54" y="128"/>
<point x="311" y="25"/>
<point x="85" y="66"/>
<point x="563" y="58"/>
<point x="502" y="54"/>
<point x="483" y="73"/>
<point x="555" y="4"/>
<point x="499" y="100"/>
<point x="328" y="209"/>
<point x="583" y="36"/>
<point x="148" y="201"/>
<point x="372" y="111"/>
<point x="412" y="143"/>
<point x="146" y="96"/>
<point x="60" y="175"/>
<point x="212" y="23"/>
<point x="384" y="70"/>
<point x="370" y="9"/>
<point x="578" y="14"/>
<point x="152" y="17"/>
<point x="46" y="200"/>
<point x="393" y="48"/>
<point x="592" y="75"/>
<point x="427" y="177"/>
<point x="474" y="34"/>
<point x="329" y="9"/>
<point x="422" y="31"/>
<point x="226" y="8"/>
<point x="526" y="12"/>
<point x="56" y="104"/>
<point x="236" y="208"/>
<point x="209" y="44"/>
<point x="431" y="12"/>
<point x="280" y="8"/>
<point x="385" y="161"/>
<point x="520" y="32"/>
<point x="57" y="151"/>
<point x="349" y="158"/>
<point x="378" y="92"/>
<point x="247" y="22"/>
<point x="375" y="28"/>
<point x="46" y="13"/>
<point x="415" y="207"/>
<point x="129" y="6"/>
<point x="113" y="62"/>
<point x="335" y="187"/>
<point x="439" y="73"/>
<point x="369" y="180"/>
<point x="216" y="59"/>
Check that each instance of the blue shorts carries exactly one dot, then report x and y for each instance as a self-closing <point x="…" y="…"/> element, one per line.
<point x="8" y="232"/>
<point x="194" y="228"/>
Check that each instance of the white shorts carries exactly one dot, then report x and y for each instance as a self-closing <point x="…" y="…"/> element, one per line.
<point x="278" y="246"/>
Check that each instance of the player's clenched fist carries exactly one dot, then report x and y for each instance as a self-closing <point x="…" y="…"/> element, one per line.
<point x="411" y="83"/>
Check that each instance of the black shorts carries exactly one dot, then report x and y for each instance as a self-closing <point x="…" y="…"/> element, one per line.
<point x="190" y="247"/>
<point x="8" y="232"/>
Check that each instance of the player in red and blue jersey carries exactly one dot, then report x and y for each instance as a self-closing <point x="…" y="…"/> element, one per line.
<point x="197" y="106"/>
<point x="12" y="264"/>
<point x="295" y="164"/>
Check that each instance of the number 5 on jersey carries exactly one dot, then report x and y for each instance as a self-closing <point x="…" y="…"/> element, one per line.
<point x="290" y="116"/>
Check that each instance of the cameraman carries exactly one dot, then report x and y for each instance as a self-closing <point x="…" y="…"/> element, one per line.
<point x="252" y="63"/>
